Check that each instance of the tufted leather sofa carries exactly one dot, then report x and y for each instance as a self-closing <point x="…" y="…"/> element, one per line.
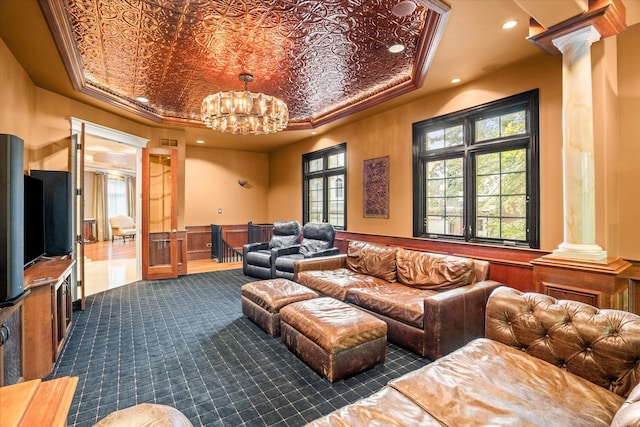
<point x="432" y="303"/>
<point x="543" y="362"/>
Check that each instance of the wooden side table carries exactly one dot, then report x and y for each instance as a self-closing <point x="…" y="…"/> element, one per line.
<point x="87" y="230"/>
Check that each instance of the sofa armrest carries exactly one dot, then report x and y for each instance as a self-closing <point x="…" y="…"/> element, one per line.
<point x="287" y="250"/>
<point x="325" y="263"/>
<point x="250" y="247"/>
<point x="453" y="318"/>
<point x="323" y="253"/>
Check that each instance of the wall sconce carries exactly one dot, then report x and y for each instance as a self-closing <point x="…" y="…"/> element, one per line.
<point x="242" y="182"/>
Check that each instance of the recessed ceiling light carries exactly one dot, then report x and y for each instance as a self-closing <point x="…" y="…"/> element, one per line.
<point x="404" y="8"/>
<point x="142" y="99"/>
<point x="509" y="24"/>
<point x="456" y="80"/>
<point x="396" y="48"/>
<point x="199" y="141"/>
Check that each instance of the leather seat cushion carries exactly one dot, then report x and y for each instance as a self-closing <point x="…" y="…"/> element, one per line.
<point x="274" y="294"/>
<point x="386" y="407"/>
<point x="427" y="270"/>
<point x="373" y="260"/>
<point x="259" y="258"/>
<point x="332" y="324"/>
<point x="336" y="283"/>
<point x="393" y="300"/>
<point x="490" y="383"/>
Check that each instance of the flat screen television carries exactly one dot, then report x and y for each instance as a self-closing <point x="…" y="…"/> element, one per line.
<point x="34" y="246"/>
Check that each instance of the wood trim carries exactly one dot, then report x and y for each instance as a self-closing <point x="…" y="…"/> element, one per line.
<point x="608" y="17"/>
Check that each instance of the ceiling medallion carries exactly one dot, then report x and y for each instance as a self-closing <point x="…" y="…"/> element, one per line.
<point x="244" y="113"/>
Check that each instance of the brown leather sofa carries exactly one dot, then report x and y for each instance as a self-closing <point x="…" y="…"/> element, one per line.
<point x="432" y="303"/>
<point x="544" y="362"/>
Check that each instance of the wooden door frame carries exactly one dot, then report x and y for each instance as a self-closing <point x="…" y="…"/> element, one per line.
<point x="148" y="271"/>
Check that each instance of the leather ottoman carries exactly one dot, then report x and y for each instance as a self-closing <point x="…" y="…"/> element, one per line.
<point x="262" y="301"/>
<point x="332" y="337"/>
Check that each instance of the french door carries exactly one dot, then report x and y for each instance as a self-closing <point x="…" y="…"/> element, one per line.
<point x="159" y="213"/>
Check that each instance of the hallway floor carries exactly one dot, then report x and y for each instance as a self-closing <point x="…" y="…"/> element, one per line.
<point x="110" y="265"/>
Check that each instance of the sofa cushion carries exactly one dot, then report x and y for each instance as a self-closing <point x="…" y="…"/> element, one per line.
<point x="387" y="407"/>
<point x="427" y="270"/>
<point x="393" y="300"/>
<point x="629" y="413"/>
<point x="373" y="260"/>
<point x="335" y="283"/>
<point x="490" y="383"/>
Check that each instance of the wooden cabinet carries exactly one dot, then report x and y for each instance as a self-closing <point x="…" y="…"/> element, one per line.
<point x="597" y="284"/>
<point x="47" y="315"/>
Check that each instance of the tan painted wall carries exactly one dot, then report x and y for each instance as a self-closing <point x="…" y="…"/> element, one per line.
<point x="616" y="82"/>
<point x="390" y="133"/>
<point x="628" y="166"/>
<point x="212" y="176"/>
<point x="41" y="118"/>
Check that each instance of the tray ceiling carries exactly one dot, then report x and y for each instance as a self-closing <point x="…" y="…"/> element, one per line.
<point x="325" y="59"/>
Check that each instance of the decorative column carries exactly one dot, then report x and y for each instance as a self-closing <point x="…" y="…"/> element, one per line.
<point x="578" y="148"/>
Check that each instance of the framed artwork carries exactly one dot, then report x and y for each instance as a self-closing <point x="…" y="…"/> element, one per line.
<point x="376" y="187"/>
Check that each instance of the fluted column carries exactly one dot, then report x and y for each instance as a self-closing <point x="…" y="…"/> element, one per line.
<point x="578" y="148"/>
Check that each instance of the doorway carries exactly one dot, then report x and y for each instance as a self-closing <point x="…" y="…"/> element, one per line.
<point x="107" y="164"/>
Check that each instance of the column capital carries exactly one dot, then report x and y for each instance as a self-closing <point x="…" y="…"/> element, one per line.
<point x="587" y="35"/>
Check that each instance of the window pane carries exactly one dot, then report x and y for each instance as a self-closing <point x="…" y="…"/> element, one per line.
<point x="514" y="183"/>
<point x="117" y="197"/>
<point x="435" y="139"/>
<point x="315" y="200"/>
<point x="488" y="129"/>
<point x="336" y="200"/>
<point x="501" y="126"/>
<point x="335" y="161"/>
<point x="454" y="136"/>
<point x="513" y="123"/>
<point x="501" y="199"/>
<point x="514" y="228"/>
<point x="316" y="165"/>
<point x="445" y="203"/>
<point x="447" y="137"/>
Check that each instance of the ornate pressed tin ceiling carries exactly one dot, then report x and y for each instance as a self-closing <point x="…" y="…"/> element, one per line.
<point x="325" y="59"/>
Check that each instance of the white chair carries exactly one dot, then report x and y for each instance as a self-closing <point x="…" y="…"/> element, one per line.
<point x="122" y="226"/>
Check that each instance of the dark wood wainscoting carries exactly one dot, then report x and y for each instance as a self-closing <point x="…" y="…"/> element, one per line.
<point x="199" y="239"/>
<point x="510" y="266"/>
<point x="198" y="242"/>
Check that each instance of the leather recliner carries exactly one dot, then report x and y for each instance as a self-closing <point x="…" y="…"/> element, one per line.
<point x="258" y="259"/>
<point x="317" y="241"/>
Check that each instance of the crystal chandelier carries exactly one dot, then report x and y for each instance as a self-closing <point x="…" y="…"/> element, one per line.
<point x="245" y="113"/>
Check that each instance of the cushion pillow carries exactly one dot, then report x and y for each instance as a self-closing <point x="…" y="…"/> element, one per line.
<point x="373" y="260"/>
<point x="310" y="246"/>
<point x="283" y="241"/>
<point x="426" y="270"/>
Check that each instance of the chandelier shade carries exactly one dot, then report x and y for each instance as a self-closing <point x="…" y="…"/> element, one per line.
<point x="245" y="113"/>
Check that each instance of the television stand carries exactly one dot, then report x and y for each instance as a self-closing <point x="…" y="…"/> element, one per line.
<point x="48" y="311"/>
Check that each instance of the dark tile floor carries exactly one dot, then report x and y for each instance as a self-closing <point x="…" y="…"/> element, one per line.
<point x="185" y="343"/>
